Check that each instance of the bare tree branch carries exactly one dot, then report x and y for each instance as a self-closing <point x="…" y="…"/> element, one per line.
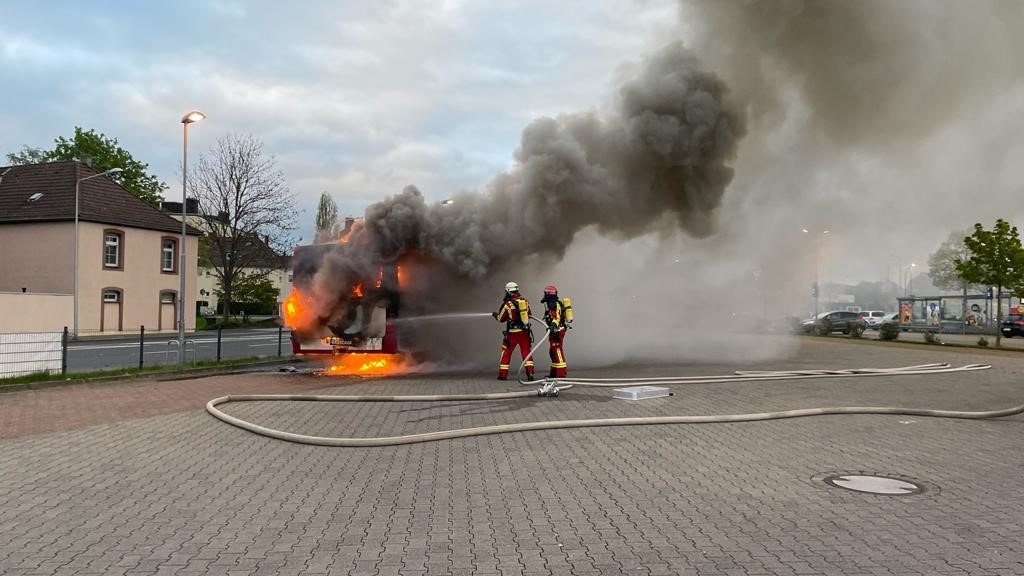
<point x="247" y="208"/>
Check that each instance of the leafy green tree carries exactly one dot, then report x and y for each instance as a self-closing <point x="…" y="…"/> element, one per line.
<point x="252" y="293"/>
<point x="942" y="263"/>
<point x="326" y="218"/>
<point x="996" y="258"/>
<point x="103" y="153"/>
<point x="28" y="155"/>
<point x="943" y="272"/>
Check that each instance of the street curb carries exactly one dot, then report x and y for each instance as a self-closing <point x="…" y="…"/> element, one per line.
<point x="965" y="348"/>
<point x="162" y="376"/>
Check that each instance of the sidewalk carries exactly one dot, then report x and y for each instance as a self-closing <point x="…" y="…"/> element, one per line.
<point x="958" y="339"/>
<point x="136" y="478"/>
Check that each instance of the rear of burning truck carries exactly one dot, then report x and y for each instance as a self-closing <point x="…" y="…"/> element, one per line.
<point x="358" y="319"/>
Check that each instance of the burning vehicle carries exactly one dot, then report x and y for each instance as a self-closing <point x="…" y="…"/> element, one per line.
<point x="657" y="157"/>
<point x="358" y="318"/>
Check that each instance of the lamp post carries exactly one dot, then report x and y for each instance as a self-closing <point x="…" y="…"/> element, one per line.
<point x="190" y="118"/>
<point x="78" y="184"/>
<point x="817" y="248"/>
<point x="909" y="288"/>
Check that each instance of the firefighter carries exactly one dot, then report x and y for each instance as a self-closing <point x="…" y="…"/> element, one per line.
<point x="515" y="313"/>
<point x="557" y="316"/>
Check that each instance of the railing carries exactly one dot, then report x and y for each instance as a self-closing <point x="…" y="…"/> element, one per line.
<point x="22" y="354"/>
<point x="29" y="354"/>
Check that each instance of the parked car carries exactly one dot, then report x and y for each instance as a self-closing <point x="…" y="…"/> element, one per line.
<point x="838" y="318"/>
<point x="873" y="318"/>
<point x="1013" y="325"/>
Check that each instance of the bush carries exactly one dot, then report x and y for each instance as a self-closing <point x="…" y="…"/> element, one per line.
<point x="889" y="331"/>
<point x="855" y="329"/>
<point x="932" y="338"/>
<point x="824" y="327"/>
<point x="200" y="323"/>
<point x="983" y="342"/>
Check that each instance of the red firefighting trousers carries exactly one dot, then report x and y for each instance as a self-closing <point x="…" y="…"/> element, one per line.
<point x="513" y="339"/>
<point x="559" y="369"/>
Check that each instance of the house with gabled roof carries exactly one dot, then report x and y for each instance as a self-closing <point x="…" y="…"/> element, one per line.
<point x="128" y="255"/>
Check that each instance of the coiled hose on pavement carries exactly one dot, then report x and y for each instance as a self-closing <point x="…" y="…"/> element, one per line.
<point x="567" y="383"/>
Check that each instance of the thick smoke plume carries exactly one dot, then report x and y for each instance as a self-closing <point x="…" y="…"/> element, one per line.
<point x="657" y="159"/>
<point x="885" y="121"/>
<point x="872" y="72"/>
<point x="660" y="157"/>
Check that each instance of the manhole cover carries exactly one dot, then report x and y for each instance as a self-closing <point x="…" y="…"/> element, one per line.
<point x="874" y="484"/>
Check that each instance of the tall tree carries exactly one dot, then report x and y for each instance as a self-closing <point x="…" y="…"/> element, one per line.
<point x="942" y="263"/>
<point x="996" y="258"/>
<point x="942" y="269"/>
<point x="326" y="218"/>
<point x="102" y="153"/>
<point x="28" y="155"/>
<point x="247" y="208"/>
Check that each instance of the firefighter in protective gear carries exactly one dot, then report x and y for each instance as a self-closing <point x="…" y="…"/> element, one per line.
<point x="515" y="313"/>
<point x="557" y="316"/>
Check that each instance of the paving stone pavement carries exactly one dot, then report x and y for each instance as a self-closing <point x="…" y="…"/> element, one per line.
<point x="128" y="492"/>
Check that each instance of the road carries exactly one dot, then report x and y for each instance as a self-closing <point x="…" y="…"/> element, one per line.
<point x="103" y="354"/>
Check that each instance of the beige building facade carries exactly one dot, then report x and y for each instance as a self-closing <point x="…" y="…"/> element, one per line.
<point x="127" y="278"/>
<point x="208" y="284"/>
<point x="128" y="255"/>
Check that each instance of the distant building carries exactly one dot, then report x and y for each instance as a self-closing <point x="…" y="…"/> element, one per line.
<point x="127" y="250"/>
<point x="260" y="256"/>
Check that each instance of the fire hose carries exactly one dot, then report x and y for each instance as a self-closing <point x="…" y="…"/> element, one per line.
<point x="567" y="383"/>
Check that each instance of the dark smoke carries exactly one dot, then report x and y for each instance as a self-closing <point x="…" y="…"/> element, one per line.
<point x="658" y="159"/>
<point x="873" y="72"/>
<point x="884" y="121"/>
<point x="661" y="156"/>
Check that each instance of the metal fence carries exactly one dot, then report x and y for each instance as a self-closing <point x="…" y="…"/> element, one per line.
<point x="24" y="354"/>
<point x="33" y="352"/>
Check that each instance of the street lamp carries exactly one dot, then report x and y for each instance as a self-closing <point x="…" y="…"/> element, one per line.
<point x="817" y="249"/>
<point x="190" y="118"/>
<point x="78" y="183"/>
<point x="910" y="279"/>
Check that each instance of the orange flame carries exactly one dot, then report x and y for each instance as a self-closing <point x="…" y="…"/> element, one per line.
<point x="401" y="277"/>
<point x="296" y="309"/>
<point x="344" y="237"/>
<point x="357" y="290"/>
<point x="367" y="365"/>
<point x="380" y="277"/>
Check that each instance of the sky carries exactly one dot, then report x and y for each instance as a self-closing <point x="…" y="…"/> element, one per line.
<point x="888" y="123"/>
<point x="357" y="99"/>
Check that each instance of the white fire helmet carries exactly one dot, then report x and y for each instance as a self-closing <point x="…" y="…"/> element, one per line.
<point x="511" y="287"/>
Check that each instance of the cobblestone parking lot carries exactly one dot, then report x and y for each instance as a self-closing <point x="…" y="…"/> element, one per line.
<point x="136" y="478"/>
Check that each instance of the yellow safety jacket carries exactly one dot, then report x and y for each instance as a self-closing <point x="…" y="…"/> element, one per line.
<point x="515" y="313"/>
<point x="558" y="313"/>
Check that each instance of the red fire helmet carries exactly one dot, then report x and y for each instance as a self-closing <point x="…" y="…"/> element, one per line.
<point x="551" y="289"/>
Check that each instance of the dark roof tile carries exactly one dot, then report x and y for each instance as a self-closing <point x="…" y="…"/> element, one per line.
<point x="100" y="200"/>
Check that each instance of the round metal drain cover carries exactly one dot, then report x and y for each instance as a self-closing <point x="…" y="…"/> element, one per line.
<point x="874" y="484"/>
